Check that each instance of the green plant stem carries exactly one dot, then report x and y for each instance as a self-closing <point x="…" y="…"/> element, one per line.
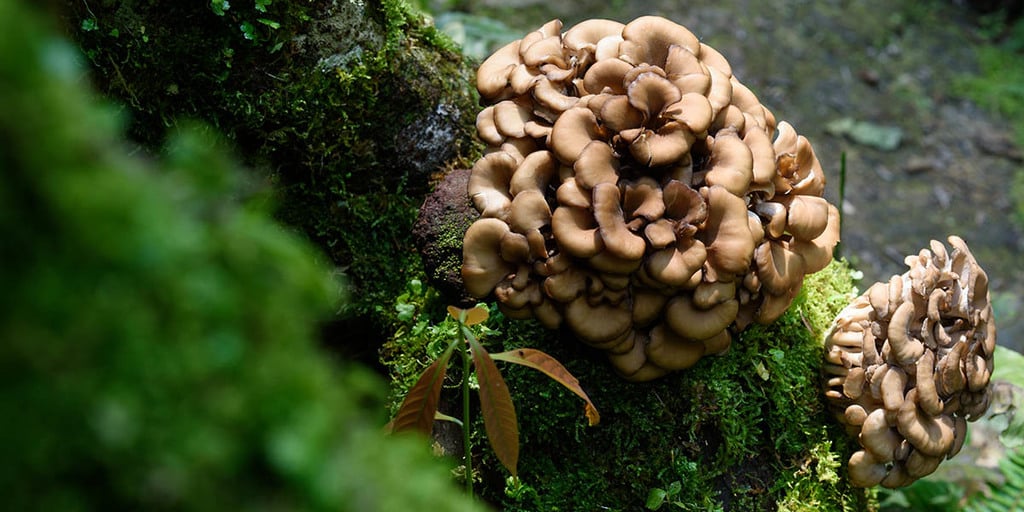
<point x="842" y="197"/>
<point x="466" y="443"/>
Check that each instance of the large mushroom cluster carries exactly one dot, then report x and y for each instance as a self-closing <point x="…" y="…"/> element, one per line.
<point x="635" y="191"/>
<point x="908" y="364"/>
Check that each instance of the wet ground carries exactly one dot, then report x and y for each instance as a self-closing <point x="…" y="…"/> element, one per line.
<point x="856" y="77"/>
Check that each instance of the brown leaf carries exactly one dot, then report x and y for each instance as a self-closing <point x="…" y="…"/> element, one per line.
<point x="496" y="405"/>
<point x="550" y="366"/>
<point x="420" y="404"/>
<point x="468" y="316"/>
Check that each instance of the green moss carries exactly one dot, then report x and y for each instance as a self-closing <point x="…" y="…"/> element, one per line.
<point x="999" y="85"/>
<point x="747" y="430"/>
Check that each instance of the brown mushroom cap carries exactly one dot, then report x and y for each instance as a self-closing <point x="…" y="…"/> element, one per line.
<point x="635" y="177"/>
<point x="897" y="365"/>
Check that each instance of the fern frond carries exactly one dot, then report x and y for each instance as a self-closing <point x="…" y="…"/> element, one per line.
<point x="1007" y="496"/>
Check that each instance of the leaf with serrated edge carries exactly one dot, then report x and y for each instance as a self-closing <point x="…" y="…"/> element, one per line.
<point x="550" y="366"/>
<point x="496" y="406"/>
<point x="420" y="404"/>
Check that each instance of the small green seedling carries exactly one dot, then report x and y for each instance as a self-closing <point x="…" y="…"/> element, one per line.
<point x="419" y="408"/>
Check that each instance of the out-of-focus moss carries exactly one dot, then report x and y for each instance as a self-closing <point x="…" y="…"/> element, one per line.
<point x="159" y="329"/>
<point x="347" y="106"/>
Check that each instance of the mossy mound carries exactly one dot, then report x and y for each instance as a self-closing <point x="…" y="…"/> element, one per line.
<point x="744" y="431"/>
<point x="747" y="430"/>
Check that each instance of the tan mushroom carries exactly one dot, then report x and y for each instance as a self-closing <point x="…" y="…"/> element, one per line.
<point x="492" y="76"/>
<point x="482" y="265"/>
<point x="596" y="164"/>
<point x="727" y="235"/>
<point x="670" y="351"/>
<point x="918" y="387"/>
<point x="576" y="232"/>
<point x="635" y="177"/>
<point x="731" y="163"/>
<point x="573" y="130"/>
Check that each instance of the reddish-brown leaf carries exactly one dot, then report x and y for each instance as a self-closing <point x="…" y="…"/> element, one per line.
<point x="420" y="404"/>
<point x="552" y="368"/>
<point x="468" y="316"/>
<point x="496" y="405"/>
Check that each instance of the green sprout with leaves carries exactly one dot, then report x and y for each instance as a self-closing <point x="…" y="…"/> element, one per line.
<point x="419" y="408"/>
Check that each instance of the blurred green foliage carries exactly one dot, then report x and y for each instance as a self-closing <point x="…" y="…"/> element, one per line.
<point x="999" y="84"/>
<point x="158" y="329"/>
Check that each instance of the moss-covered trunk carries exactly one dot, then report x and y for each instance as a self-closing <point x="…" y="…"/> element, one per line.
<point x="347" y="107"/>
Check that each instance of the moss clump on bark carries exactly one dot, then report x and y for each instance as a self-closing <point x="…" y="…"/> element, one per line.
<point x="347" y="106"/>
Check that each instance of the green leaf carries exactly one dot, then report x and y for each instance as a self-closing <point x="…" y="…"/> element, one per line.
<point x="655" y="499"/>
<point x="552" y="368"/>
<point x="248" y="30"/>
<point x="674" y="488"/>
<point x="219" y="6"/>
<point x="496" y="406"/>
<point x="1009" y="366"/>
<point x="269" y="22"/>
<point x="419" y="407"/>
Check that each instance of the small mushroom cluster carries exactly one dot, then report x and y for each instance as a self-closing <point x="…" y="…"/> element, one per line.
<point x="632" y="190"/>
<point x="908" y="364"/>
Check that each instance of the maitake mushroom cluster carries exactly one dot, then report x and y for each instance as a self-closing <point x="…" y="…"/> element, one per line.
<point x="908" y="364"/>
<point x="632" y="190"/>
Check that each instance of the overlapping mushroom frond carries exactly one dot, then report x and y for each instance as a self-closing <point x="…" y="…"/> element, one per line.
<point x="908" y="365"/>
<point x="634" y="190"/>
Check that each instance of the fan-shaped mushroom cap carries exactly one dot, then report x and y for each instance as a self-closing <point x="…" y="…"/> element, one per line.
<point x="585" y="35"/>
<point x="898" y="357"/>
<point x="573" y="130"/>
<point x="493" y="74"/>
<point x="482" y="266"/>
<point x="636" y="176"/>
<point x="618" y="240"/>
<point x="731" y="163"/>
<point x="689" y="321"/>
<point x="648" y="38"/>
<point x="670" y="351"/>
<point x="576" y="232"/>
<point x="596" y="164"/>
<point x="731" y="246"/>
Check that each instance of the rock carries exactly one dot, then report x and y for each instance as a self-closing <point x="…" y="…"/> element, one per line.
<point x="919" y="165"/>
<point x="444" y="217"/>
